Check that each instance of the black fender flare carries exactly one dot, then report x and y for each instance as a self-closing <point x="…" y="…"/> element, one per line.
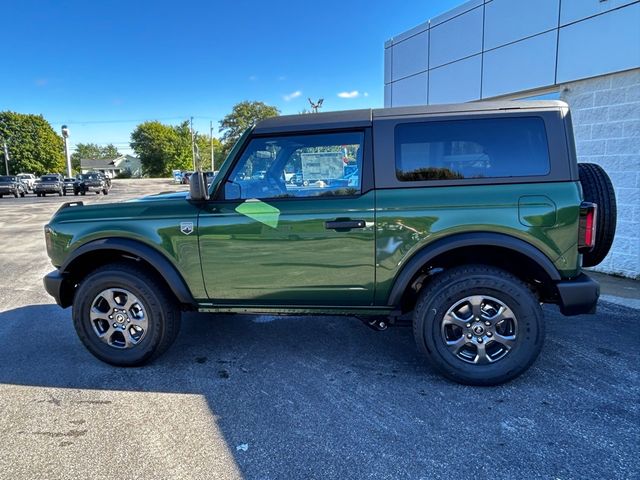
<point x="431" y="251"/>
<point x="136" y="249"/>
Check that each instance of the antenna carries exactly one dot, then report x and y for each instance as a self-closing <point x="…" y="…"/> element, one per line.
<point x="315" y="106"/>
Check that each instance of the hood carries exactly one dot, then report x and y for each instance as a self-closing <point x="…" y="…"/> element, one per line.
<point x="162" y="196"/>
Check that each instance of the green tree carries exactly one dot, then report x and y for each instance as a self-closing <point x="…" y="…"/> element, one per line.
<point x="243" y="115"/>
<point x="162" y="148"/>
<point x="204" y="149"/>
<point x="33" y="145"/>
<point x="92" y="150"/>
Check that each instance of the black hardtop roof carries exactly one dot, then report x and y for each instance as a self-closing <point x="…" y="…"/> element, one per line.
<point x="362" y="118"/>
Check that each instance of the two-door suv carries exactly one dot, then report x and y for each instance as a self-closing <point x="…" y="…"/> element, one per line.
<point x="467" y="217"/>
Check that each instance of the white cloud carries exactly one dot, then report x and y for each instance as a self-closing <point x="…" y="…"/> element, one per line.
<point x="351" y="94"/>
<point x="366" y="94"/>
<point x="292" y="95"/>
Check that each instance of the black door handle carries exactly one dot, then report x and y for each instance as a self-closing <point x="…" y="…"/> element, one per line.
<point x="344" y="224"/>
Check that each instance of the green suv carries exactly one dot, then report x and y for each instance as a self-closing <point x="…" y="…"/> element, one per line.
<point x="463" y="218"/>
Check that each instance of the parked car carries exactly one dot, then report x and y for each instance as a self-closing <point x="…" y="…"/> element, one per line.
<point x="27" y="178"/>
<point x="185" y="177"/>
<point x="209" y="176"/>
<point x="12" y="185"/>
<point x="68" y="185"/>
<point x="464" y="219"/>
<point x="91" y="182"/>
<point x="50" y="183"/>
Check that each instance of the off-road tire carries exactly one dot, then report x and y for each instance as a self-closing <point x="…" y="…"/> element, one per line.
<point x="164" y="316"/>
<point x="597" y="188"/>
<point x="457" y="283"/>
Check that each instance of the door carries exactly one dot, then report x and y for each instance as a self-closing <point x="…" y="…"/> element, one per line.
<point x="294" y="225"/>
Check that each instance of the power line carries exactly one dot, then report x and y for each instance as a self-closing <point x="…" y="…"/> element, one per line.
<point x="139" y="120"/>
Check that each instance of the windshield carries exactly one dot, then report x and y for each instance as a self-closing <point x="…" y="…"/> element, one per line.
<point x="49" y="178"/>
<point x="89" y="176"/>
<point x="6" y="178"/>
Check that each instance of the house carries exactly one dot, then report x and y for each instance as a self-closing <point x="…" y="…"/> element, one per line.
<point x="111" y="167"/>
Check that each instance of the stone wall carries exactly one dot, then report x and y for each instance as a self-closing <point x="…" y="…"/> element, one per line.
<point x="606" y="120"/>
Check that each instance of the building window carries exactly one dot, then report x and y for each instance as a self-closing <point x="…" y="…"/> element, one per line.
<point x="472" y="149"/>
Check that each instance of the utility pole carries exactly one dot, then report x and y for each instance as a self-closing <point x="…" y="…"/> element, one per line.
<point x="6" y="157"/>
<point x="213" y="162"/>
<point x="193" y="143"/>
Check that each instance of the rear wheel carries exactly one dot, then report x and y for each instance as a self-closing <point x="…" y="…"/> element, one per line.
<point x="597" y="188"/>
<point x="16" y="194"/>
<point x="105" y="192"/>
<point x="22" y="193"/>
<point x="124" y="316"/>
<point x="479" y="325"/>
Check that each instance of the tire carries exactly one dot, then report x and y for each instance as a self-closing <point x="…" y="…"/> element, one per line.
<point x="1" y="195"/>
<point x="597" y="188"/>
<point x="22" y="194"/>
<point x="83" y="192"/>
<point x="60" y="193"/>
<point x="75" y="193"/>
<point x="162" y="315"/>
<point x="43" y="194"/>
<point x="494" y="286"/>
<point x="105" y="192"/>
<point x="16" y="194"/>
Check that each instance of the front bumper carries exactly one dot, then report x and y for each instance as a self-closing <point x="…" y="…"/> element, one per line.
<point x="55" y="285"/>
<point x="46" y="189"/>
<point x="7" y="190"/>
<point x="578" y="296"/>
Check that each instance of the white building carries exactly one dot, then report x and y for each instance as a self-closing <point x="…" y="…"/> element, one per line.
<point x="111" y="167"/>
<point x="585" y="52"/>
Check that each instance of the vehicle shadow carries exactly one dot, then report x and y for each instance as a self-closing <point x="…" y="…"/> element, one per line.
<point x="328" y="397"/>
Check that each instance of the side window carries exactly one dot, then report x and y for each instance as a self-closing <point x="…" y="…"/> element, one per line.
<point x="482" y="148"/>
<point x="318" y="165"/>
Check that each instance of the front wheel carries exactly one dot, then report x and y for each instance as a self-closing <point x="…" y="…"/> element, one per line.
<point x="479" y="325"/>
<point x="124" y="316"/>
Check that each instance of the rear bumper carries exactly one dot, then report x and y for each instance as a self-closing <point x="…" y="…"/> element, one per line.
<point x="578" y="296"/>
<point x="54" y="284"/>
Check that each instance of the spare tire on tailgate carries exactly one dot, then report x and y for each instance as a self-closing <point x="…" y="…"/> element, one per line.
<point x="597" y="188"/>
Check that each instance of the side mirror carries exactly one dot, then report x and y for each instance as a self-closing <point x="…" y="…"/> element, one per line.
<point x="198" y="187"/>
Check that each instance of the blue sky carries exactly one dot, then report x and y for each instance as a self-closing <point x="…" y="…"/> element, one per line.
<point x="104" y="66"/>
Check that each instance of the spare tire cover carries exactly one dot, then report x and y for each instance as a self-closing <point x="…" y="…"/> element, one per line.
<point x="597" y="188"/>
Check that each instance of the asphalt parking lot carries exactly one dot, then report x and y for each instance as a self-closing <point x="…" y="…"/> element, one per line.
<point x="293" y="397"/>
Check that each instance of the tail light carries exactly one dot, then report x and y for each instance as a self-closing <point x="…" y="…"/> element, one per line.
<point x="587" y="227"/>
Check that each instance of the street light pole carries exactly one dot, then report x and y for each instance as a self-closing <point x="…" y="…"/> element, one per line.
<point x="65" y="135"/>
<point x="6" y="157"/>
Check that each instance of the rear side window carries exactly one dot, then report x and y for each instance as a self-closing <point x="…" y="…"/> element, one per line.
<point x="463" y="149"/>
